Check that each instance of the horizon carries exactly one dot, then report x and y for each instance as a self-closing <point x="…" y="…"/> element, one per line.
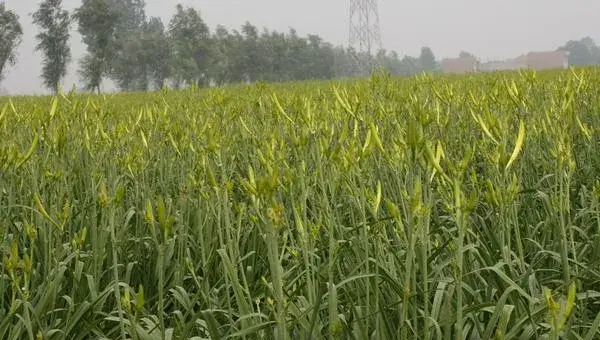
<point x="492" y="40"/>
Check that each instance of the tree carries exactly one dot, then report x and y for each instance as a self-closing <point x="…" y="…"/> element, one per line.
<point x="252" y="60"/>
<point x="582" y="52"/>
<point x="54" y="23"/>
<point x="427" y="60"/>
<point x="190" y="37"/>
<point x="97" y="23"/>
<point x="319" y="57"/>
<point x="342" y="63"/>
<point x="223" y="62"/>
<point x="409" y="66"/>
<point x="158" y="47"/>
<point x="129" y="67"/>
<point x="326" y="62"/>
<point x="131" y="15"/>
<point x="465" y="55"/>
<point x="142" y="61"/>
<point x="11" y="34"/>
<point x="296" y="56"/>
<point x="140" y="54"/>
<point x="272" y="47"/>
<point x="391" y="63"/>
<point x="237" y="65"/>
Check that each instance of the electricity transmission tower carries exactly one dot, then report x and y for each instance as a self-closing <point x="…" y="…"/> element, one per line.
<point x="365" y="34"/>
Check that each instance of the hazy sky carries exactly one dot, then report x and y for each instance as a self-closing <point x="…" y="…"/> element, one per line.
<point x="491" y="29"/>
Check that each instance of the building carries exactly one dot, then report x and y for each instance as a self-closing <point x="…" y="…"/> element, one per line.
<point x="537" y="61"/>
<point x="463" y="64"/>
<point x="548" y="60"/>
<point x="501" y="66"/>
<point x="505" y="65"/>
<point x="533" y="60"/>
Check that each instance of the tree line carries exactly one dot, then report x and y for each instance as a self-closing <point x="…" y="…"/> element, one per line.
<point x="140" y="53"/>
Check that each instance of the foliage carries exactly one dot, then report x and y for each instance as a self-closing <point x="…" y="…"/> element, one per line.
<point x="191" y="46"/>
<point x="98" y="24"/>
<point x="466" y="55"/>
<point x="582" y="52"/>
<point x="11" y="34"/>
<point x="427" y="60"/>
<point x="428" y="208"/>
<point x="158" y="46"/>
<point x="274" y="56"/>
<point x="53" y="41"/>
<point x="130" y="67"/>
<point x="139" y="54"/>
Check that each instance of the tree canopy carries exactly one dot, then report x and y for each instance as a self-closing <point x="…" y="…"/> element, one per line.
<point x="11" y="34"/>
<point x="98" y="25"/>
<point x="583" y="52"/>
<point x="53" y="41"/>
<point x="138" y="53"/>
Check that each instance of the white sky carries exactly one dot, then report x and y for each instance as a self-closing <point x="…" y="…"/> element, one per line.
<point x="490" y="29"/>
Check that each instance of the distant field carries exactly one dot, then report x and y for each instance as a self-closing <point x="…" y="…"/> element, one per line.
<point x="422" y="208"/>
